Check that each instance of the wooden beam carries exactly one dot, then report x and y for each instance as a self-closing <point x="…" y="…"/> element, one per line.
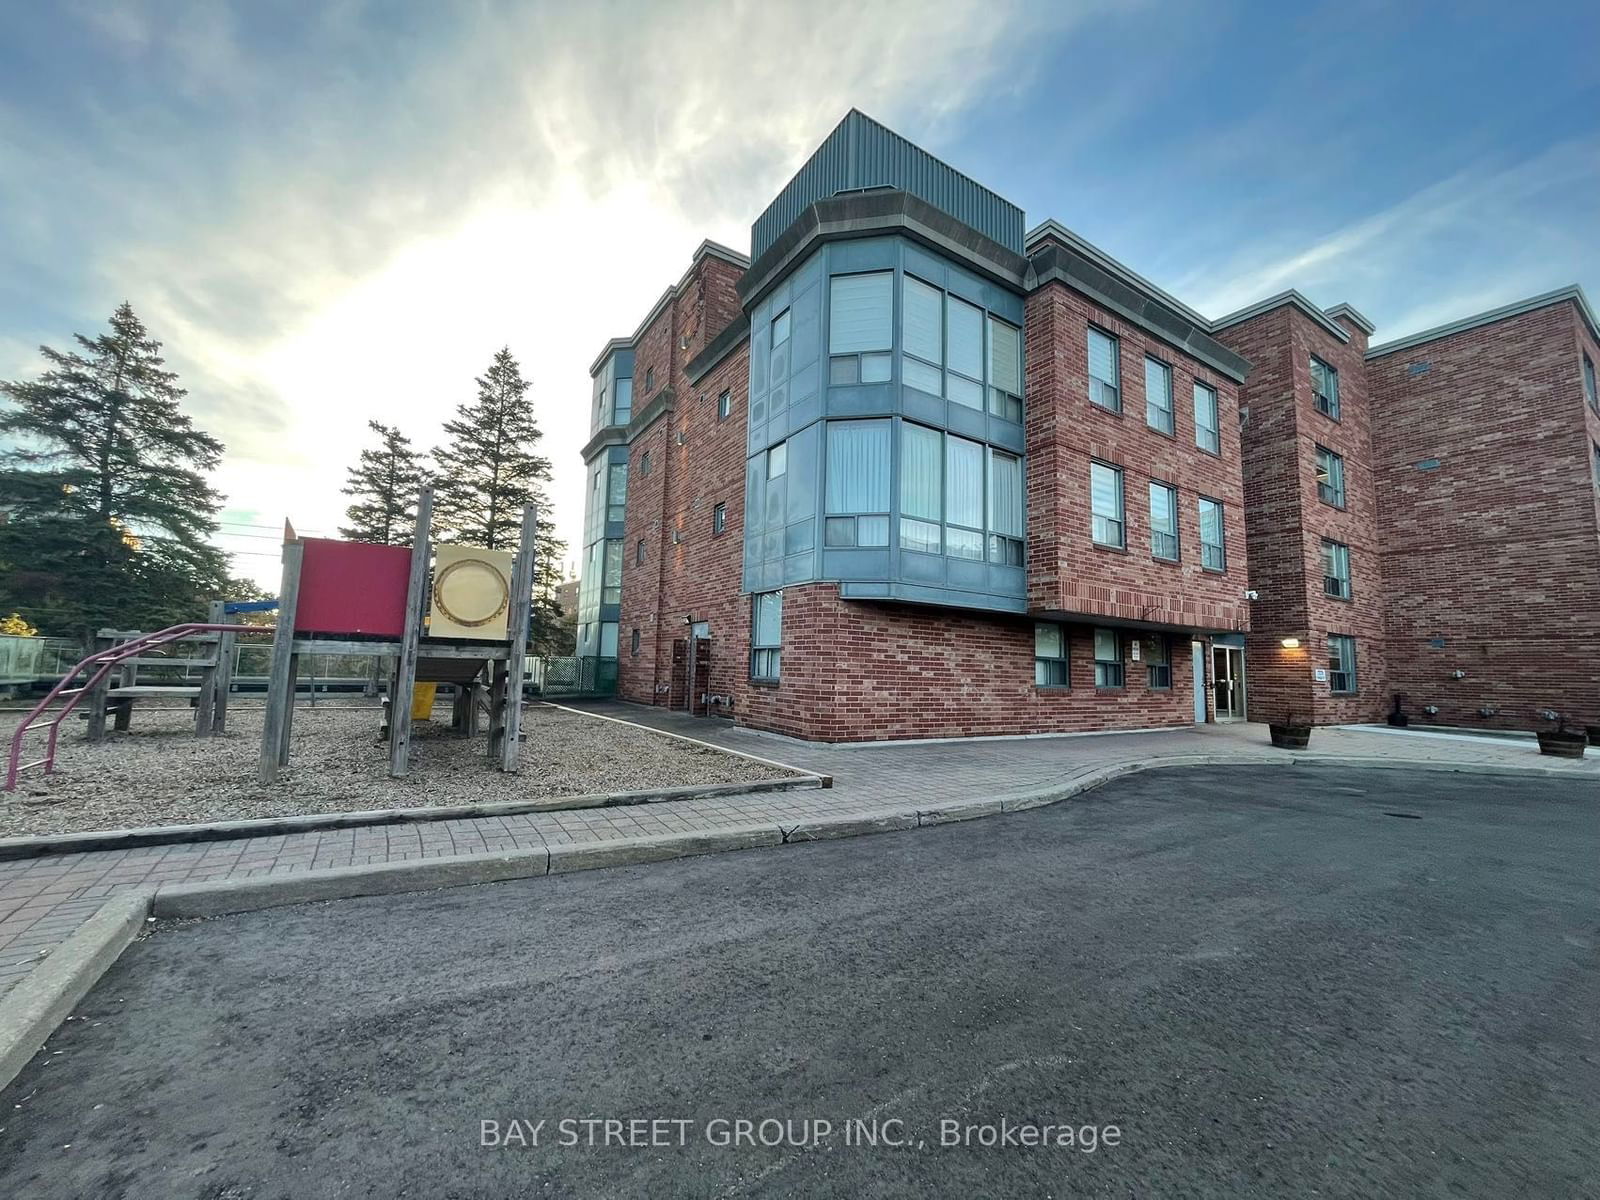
<point x="280" y="674"/>
<point x="227" y="655"/>
<point x="205" y="709"/>
<point x="405" y="675"/>
<point x="517" y="642"/>
<point x="98" y="694"/>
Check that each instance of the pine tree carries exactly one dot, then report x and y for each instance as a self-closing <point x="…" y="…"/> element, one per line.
<point x="104" y="486"/>
<point x="488" y="471"/>
<point x="385" y="483"/>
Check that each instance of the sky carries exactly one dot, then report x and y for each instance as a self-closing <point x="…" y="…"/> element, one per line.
<point x="336" y="211"/>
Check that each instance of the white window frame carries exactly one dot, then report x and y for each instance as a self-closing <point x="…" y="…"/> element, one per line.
<point x="766" y="652"/>
<point x="1120" y="521"/>
<point x="1176" y="533"/>
<point x="1213" y="555"/>
<point x="1158" y="416"/>
<point x="1207" y="436"/>
<point x="1098" y="387"/>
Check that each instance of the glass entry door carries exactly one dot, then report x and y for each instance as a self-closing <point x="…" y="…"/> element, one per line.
<point x="1227" y="681"/>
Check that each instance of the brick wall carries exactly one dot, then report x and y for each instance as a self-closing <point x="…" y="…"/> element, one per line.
<point x="1496" y="551"/>
<point x="1286" y="520"/>
<point x="1067" y="572"/>
<point x="855" y="671"/>
<point x="696" y="463"/>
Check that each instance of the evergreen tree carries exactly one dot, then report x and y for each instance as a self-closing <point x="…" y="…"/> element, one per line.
<point x="385" y="483"/>
<point x="487" y="471"/>
<point x="104" y="488"/>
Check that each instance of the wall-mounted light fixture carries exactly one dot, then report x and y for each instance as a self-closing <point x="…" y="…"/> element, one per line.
<point x="1291" y="643"/>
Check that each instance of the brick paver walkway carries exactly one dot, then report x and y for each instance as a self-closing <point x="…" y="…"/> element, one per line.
<point x="42" y="900"/>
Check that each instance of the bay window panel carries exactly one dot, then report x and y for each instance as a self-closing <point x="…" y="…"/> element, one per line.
<point x="921" y="472"/>
<point x="922" y="316"/>
<point x="858" y="467"/>
<point x="963" y="483"/>
<point x="860" y="311"/>
<point x="1005" y="356"/>
<point x="964" y="338"/>
<point x="1005" y="494"/>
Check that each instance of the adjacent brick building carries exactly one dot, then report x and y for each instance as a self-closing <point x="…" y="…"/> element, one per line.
<point x="907" y="471"/>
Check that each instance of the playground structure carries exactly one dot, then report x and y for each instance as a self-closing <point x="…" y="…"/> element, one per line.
<point x="211" y="697"/>
<point x="466" y="624"/>
<point x="469" y="628"/>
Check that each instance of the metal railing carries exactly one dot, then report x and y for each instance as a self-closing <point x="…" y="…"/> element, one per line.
<point x="572" y="675"/>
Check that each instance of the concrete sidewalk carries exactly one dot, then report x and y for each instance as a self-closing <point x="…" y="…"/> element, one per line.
<point x="43" y="900"/>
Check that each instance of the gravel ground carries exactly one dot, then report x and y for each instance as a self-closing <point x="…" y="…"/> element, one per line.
<point x="159" y="773"/>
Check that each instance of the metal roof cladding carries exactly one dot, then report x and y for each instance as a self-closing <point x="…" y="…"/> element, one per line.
<point x="861" y="154"/>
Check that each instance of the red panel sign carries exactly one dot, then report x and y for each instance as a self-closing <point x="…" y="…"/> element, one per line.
<point x="352" y="588"/>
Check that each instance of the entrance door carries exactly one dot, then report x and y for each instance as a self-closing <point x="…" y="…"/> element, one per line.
<point x="1197" y="657"/>
<point x="1227" y="679"/>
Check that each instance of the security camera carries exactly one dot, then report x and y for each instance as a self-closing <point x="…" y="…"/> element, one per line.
<point x="1252" y="594"/>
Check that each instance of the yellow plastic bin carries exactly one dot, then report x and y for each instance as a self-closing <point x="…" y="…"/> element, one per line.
<point x="422" y="700"/>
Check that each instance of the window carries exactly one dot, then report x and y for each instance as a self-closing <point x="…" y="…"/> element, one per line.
<point x="856" y="493"/>
<point x="1005" y="370"/>
<point x="780" y="329"/>
<point x="1336" y="569"/>
<point x="963" y="498"/>
<point x="719" y="520"/>
<point x="649" y="380"/>
<point x="1105" y="375"/>
<point x="1341" y="664"/>
<point x="1213" y="554"/>
<point x="1597" y="464"/>
<point x="923" y="343"/>
<point x="1164" y="521"/>
<point x="1330" y="477"/>
<point x="1107" y="658"/>
<point x="1105" y="499"/>
<point x="1160" y="662"/>
<point x="617" y="492"/>
<point x="860" y="327"/>
<point x="608" y="639"/>
<point x="777" y="460"/>
<point x="633" y="644"/>
<point x="1324" y="388"/>
<point x="963" y="327"/>
<point x="1158" y="395"/>
<point x="724" y="406"/>
<point x="1588" y="384"/>
<point x="766" y="634"/>
<point x="1207" y="429"/>
<point x="639" y="554"/>
<point x="921" y="488"/>
<point x="1005" y="509"/>
<point x="623" y="408"/>
<point x="611" y="577"/>
<point x="1050" y="666"/>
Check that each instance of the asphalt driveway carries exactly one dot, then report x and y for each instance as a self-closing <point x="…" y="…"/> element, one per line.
<point x="1228" y="982"/>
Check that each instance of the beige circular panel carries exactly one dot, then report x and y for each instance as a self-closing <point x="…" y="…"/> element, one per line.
<point x="470" y="592"/>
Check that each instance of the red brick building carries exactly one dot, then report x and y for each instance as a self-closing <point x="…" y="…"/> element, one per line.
<point x="1488" y="473"/>
<point x="906" y="471"/>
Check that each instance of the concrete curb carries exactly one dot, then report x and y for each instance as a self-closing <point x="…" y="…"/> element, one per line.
<point x="624" y="852"/>
<point x="32" y="1010"/>
<point x="220" y="831"/>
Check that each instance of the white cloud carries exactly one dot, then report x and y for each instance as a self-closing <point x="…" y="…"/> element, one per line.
<point x="534" y="180"/>
<point x="1484" y="236"/>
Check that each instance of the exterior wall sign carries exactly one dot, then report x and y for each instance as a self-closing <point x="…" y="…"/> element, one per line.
<point x="1320" y="674"/>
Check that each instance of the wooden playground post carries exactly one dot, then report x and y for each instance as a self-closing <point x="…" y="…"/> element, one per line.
<point x="281" y="672"/>
<point x="205" y="704"/>
<point x="405" y="674"/>
<point x="98" y="696"/>
<point x="227" y="653"/>
<point x="521" y="618"/>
